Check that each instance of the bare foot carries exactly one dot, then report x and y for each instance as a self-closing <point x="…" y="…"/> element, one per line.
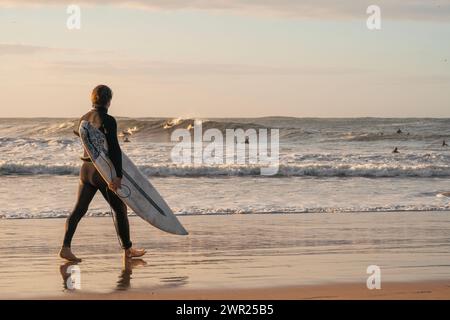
<point x="66" y="253"/>
<point x="134" y="253"/>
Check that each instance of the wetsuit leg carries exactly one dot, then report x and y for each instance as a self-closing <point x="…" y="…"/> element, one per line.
<point x="121" y="217"/>
<point x="85" y="194"/>
<point x="90" y="182"/>
<point x="118" y="206"/>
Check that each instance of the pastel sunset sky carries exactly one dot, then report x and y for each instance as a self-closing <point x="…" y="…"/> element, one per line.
<point x="235" y="58"/>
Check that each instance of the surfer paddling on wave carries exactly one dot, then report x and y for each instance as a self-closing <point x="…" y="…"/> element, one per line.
<point x="91" y="180"/>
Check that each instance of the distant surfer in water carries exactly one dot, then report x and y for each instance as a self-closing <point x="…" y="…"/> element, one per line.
<point x="395" y="150"/>
<point x="444" y="144"/>
<point x="91" y="180"/>
<point x="125" y="137"/>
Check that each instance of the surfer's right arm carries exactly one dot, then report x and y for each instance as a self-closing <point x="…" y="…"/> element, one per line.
<point x="115" y="153"/>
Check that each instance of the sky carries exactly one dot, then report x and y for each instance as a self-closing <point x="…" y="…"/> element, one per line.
<point x="227" y="58"/>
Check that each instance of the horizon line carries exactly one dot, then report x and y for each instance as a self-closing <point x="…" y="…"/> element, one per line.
<point x="235" y="117"/>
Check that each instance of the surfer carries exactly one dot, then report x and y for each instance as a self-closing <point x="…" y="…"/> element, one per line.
<point x="395" y="150"/>
<point x="126" y="135"/>
<point x="399" y="131"/>
<point x="444" y="144"/>
<point x="91" y="180"/>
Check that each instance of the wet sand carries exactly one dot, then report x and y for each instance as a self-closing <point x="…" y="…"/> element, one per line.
<point x="296" y="256"/>
<point x="432" y="290"/>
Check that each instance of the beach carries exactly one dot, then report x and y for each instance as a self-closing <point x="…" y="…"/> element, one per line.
<point x="341" y="204"/>
<point x="258" y="256"/>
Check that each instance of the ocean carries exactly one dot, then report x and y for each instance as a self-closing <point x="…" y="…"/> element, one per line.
<point x="326" y="166"/>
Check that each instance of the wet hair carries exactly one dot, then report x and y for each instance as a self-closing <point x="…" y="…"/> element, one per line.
<point x="101" y="95"/>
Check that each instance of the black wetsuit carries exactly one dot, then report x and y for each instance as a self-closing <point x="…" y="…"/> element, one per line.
<point x="91" y="180"/>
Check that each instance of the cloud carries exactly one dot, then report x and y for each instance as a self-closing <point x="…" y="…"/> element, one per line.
<point x="20" y="49"/>
<point x="315" y="9"/>
<point x="85" y="61"/>
<point x="168" y="68"/>
<point x="27" y="49"/>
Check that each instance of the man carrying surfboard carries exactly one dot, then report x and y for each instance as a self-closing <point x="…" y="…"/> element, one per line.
<point x="91" y="180"/>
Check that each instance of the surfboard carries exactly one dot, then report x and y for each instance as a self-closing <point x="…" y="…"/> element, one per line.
<point x="136" y="191"/>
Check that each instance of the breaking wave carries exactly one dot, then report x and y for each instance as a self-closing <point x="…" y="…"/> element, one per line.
<point x="294" y="170"/>
<point x="291" y="129"/>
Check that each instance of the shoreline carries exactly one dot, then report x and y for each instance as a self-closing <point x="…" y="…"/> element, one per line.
<point x="133" y="215"/>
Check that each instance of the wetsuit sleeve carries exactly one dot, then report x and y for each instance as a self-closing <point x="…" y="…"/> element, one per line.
<point x="115" y="153"/>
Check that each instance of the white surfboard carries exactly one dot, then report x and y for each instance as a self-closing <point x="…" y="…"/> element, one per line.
<point x="136" y="191"/>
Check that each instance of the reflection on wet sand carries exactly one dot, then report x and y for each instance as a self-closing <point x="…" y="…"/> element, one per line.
<point x="71" y="276"/>
<point x="124" y="282"/>
<point x="175" y="281"/>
